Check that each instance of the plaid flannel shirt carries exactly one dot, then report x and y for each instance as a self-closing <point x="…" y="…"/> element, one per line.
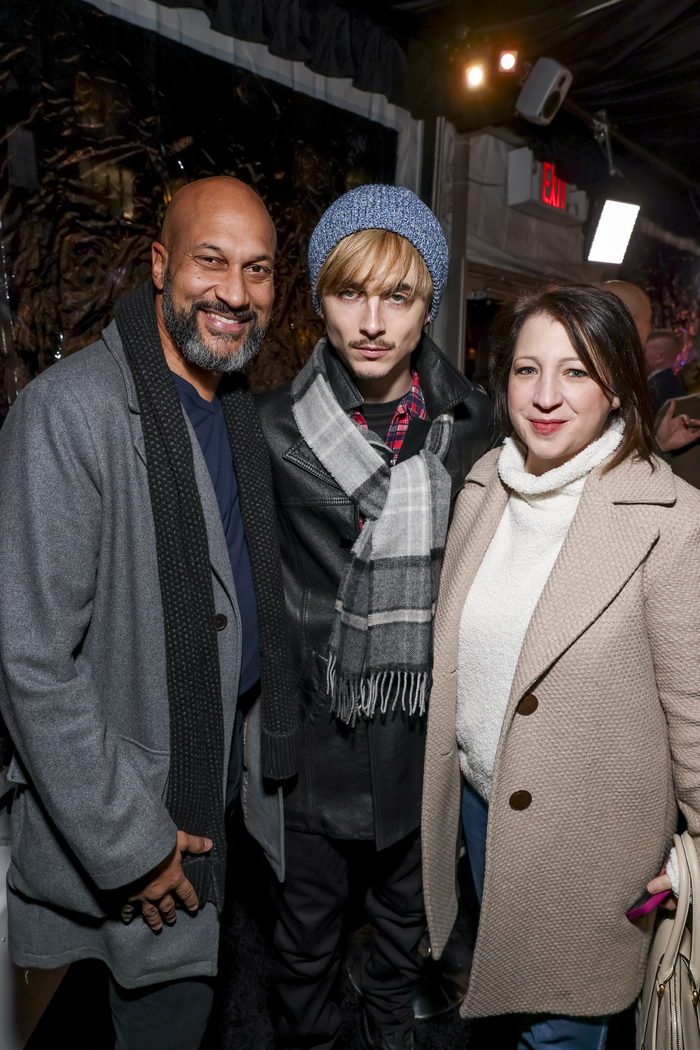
<point x="412" y="406"/>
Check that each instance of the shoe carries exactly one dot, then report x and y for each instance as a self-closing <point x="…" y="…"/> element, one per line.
<point x="373" y="1040"/>
<point x="440" y="987"/>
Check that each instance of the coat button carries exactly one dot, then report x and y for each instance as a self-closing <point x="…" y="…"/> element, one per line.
<point x="220" y="621"/>
<point x="345" y="541"/>
<point x="528" y="704"/>
<point x="520" y="800"/>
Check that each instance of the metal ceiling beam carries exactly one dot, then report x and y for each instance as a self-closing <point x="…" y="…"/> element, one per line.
<point x="633" y="147"/>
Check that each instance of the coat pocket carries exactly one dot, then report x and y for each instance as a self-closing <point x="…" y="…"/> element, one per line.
<point x="43" y="867"/>
<point x="153" y="766"/>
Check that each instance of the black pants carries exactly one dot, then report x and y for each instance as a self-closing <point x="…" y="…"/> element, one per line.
<point x="310" y="905"/>
<point x="168" y="1016"/>
<point x="174" y="1015"/>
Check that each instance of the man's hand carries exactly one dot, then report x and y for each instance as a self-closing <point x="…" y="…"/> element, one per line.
<point x="675" y="432"/>
<point x="164" y="881"/>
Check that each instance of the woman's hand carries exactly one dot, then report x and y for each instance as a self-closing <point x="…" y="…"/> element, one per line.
<point x="659" y="885"/>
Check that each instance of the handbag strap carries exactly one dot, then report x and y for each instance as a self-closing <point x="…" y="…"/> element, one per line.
<point x="691" y="857"/>
<point x="668" y="961"/>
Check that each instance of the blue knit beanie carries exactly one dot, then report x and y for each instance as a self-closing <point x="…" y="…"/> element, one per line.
<point x="381" y="207"/>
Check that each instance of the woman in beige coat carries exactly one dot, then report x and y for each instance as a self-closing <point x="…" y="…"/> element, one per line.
<point x="565" y="709"/>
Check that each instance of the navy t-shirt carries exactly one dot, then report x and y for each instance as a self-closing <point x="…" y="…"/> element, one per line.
<point x="207" y="419"/>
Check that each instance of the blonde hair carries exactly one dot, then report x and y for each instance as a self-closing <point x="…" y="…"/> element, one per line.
<point x="376" y="262"/>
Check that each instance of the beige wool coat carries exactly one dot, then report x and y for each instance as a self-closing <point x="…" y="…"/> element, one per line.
<point x="612" y="654"/>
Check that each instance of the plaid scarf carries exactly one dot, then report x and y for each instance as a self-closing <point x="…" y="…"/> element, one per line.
<point x="380" y="648"/>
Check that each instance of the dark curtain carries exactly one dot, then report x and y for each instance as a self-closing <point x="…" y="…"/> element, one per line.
<point x="101" y="122"/>
<point x="639" y="61"/>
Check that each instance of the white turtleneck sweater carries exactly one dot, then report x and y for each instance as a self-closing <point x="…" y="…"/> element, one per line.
<point x="506" y="589"/>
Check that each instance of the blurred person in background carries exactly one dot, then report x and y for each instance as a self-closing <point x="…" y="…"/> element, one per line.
<point x="369" y="445"/>
<point x="565" y="713"/>
<point x="677" y="426"/>
<point x="677" y="436"/>
<point x="689" y="374"/>
<point x="661" y="351"/>
<point x="637" y="302"/>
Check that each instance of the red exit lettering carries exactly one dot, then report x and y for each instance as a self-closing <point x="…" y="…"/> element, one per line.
<point x="553" y="189"/>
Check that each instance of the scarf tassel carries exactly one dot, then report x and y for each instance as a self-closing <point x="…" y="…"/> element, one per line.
<point x="360" y="696"/>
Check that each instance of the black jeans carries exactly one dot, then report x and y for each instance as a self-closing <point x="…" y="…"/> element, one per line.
<point x="310" y="904"/>
<point x="169" y="1016"/>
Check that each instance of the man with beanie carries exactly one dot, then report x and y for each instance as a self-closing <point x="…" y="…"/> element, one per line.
<point x="370" y="444"/>
<point x="142" y="621"/>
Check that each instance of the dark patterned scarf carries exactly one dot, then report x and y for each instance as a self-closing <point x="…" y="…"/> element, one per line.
<point x="195" y="786"/>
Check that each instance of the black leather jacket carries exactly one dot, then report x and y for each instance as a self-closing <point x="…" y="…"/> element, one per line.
<point x="365" y="782"/>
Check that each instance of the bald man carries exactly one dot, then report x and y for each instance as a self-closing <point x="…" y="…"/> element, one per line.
<point x="637" y="302"/>
<point x="661" y="351"/>
<point x="142" y="622"/>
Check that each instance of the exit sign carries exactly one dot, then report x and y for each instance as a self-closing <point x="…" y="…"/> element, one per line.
<point x="535" y="188"/>
<point x="553" y="189"/>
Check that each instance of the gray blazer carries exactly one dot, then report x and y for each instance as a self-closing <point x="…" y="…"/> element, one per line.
<point x="83" y="686"/>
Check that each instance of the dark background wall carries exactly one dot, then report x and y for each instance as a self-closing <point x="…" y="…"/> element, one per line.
<point x="101" y="122"/>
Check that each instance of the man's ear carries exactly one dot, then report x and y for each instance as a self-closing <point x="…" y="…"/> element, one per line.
<point x="321" y="311"/>
<point x="159" y="264"/>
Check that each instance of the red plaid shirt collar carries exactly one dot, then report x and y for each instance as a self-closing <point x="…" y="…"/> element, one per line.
<point x="412" y="406"/>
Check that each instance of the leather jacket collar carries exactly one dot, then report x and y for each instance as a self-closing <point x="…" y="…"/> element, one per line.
<point x="443" y="386"/>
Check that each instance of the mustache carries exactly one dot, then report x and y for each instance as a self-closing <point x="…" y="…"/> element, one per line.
<point x="375" y="344"/>
<point x="241" y="314"/>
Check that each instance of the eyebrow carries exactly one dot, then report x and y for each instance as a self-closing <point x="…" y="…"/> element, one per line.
<point x="563" y="360"/>
<point x="258" y="258"/>
<point x="387" y="289"/>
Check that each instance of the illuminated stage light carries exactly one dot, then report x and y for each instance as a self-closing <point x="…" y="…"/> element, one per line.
<point x="508" y="61"/>
<point x="613" y="232"/>
<point x="476" y="75"/>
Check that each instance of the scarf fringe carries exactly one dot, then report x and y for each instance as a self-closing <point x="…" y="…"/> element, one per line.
<point x="350" y="698"/>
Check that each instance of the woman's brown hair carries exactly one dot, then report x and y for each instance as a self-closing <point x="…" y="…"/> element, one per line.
<point x="603" y="334"/>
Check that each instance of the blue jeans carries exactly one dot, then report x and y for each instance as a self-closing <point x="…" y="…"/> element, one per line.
<point x="537" y="1030"/>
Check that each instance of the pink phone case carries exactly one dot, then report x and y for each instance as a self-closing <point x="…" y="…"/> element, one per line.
<point x="646" y="906"/>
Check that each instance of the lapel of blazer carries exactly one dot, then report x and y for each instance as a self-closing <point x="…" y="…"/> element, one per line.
<point x="603" y="548"/>
<point x="478" y="511"/>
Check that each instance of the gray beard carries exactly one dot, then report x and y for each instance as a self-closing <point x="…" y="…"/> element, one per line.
<point x="184" y="332"/>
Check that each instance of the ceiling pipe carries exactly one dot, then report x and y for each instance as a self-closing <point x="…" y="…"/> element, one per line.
<point x="667" y="169"/>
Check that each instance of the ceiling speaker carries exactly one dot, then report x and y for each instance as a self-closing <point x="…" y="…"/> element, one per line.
<point x="544" y="91"/>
